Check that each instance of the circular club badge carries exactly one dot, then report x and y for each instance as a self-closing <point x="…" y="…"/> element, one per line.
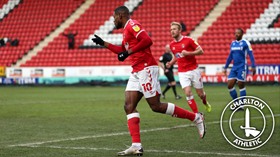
<point x="247" y="123"/>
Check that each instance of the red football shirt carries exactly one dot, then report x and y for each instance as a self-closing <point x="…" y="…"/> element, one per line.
<point x="141" y="59"/>
<point x="186" y="63"/>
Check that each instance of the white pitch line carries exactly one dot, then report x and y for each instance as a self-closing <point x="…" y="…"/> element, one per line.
<point x="122" y="133"/>
<point x="156" y="151"/>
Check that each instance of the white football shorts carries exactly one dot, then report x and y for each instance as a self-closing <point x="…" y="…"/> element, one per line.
<point x="145" y="81"/>
<point x="190" y="78"/>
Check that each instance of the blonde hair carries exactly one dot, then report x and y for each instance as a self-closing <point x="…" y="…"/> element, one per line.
<point x="177" y="24"/>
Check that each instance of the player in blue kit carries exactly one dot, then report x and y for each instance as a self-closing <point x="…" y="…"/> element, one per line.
<point x="239" y="49"/>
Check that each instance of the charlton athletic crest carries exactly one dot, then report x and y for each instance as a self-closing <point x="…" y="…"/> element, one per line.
<point x="183" y="45"/>
<point x="247" y="123"/>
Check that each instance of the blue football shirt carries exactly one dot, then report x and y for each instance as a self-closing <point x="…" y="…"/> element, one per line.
<point x="238" y="53"/>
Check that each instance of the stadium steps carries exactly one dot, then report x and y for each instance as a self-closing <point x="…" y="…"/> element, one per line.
<point x="210" y="18"/>
<point x="216" y="40"/>
<point x="56" y="33"/>
<point x="7" y="6"/>
<point x="30" y="22"/>
<point x="57" y="52"/>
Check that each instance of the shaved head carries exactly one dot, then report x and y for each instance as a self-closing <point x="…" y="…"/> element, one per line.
<point x="123" y="10"/>
<point x="121" y="15"/>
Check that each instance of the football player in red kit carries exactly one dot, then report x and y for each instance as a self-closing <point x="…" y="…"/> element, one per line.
<point x="143" y="80"/>
<point x="185" y="49"/>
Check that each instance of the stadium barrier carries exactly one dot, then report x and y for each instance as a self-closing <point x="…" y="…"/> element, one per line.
<point x="2" y="71"/>
<point x="114" y="75"/>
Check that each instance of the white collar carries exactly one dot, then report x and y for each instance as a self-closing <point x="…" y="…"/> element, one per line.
<point x="179" y="39"/>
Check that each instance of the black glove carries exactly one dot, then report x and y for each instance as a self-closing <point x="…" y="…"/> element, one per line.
<point x="98" y="40"/>
<point x="122" y="56"/>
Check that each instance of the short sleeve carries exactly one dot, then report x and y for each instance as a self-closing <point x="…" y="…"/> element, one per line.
<point x="161" y="58"/>
<point x="194" y="44"/>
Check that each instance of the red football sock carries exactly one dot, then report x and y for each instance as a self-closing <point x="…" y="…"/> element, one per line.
<point x="182" y="113"/>
<point x="133" y="121"/>
<point x="192" y="104"/>
<point x="204" y="99"/>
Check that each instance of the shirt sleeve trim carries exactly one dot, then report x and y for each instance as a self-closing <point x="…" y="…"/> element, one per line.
<point x="139" y="33"/>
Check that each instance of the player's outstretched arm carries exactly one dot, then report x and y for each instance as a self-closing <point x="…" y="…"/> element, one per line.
<point x="114" y="48"/>
<point x="98" y="40"/>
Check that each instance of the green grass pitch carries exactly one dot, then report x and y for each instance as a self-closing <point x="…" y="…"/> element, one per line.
<point x="90" y="122"/>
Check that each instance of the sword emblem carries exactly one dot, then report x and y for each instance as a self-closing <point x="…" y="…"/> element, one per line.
<point x="248" y="129"/>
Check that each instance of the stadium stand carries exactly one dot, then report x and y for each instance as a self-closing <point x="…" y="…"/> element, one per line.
<point x="3" y="2"/>
<point x="260" y="31"/>
<point x="6" y="6"/>
<point x="57" y="54"/>
<point x="217" y="39"/>
<point x="160" y="28"/>
<point x="155" y="15"/>
<point x="30" y="22"/>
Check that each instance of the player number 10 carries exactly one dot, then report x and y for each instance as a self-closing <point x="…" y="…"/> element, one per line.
<point x="147" y="87"/>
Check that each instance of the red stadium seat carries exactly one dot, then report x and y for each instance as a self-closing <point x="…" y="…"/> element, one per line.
<point x="33" y="20"/>
<point x="230" y="20"/>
